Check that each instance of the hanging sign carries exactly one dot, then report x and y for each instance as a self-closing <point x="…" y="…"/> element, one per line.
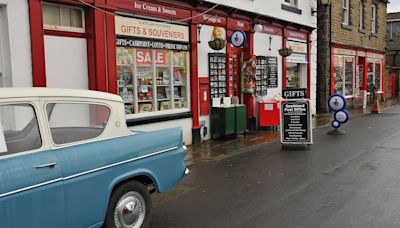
<point x="238" y="38"/>
<point x="296" y="122"/>
<point x="272" y="69"/>
<point x="126" y="26"/>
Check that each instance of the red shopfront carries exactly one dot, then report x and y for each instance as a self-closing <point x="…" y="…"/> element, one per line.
<point x="355" y="71"/>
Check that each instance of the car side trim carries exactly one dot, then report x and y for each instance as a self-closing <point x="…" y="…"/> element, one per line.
<point x="30" y="187"/>
<point x="84" y="173"/>
<point x="117" y="164"/>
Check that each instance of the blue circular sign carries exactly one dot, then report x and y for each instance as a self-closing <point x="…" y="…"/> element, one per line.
<point x="337" y="102"/>
<point x="238" y="38"/>
<point x="335" y="124"/>
<point x="341" y="116"/>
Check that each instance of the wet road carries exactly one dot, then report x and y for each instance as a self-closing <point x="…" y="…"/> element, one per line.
<point x="342" y="181"/>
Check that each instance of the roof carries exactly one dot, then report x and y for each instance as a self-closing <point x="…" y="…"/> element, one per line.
<point x="56" y="92"/>
<point x="393" y="16"/>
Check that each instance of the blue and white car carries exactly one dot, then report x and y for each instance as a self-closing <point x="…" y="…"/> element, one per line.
<point x="67" y="159"/>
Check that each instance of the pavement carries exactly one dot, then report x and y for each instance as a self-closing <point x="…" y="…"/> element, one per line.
<point x="346" y="181"/>
<point x="218" y="149"/>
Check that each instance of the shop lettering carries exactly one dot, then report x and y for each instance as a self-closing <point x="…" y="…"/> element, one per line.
<point x="165" y="34"/>
<point x="130" y="29"/>
<point x="240" y="24"/>
<point x="212" y="19"/>
<point x="295" y="93"/>
<point x="144" y="57"/>
<point x="297" y="35"/>
<point x="155" y="9"/>
<point x="152" y="44"/>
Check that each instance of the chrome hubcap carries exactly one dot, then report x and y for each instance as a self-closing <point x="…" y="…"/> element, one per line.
<point x="130" y="211"/>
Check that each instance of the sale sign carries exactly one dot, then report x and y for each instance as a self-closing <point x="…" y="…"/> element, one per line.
<point x="144" y="57"/>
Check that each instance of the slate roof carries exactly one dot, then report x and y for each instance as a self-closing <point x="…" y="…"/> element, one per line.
<point x="394" y="43"/>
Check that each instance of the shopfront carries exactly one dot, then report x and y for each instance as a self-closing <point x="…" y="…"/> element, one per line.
<point x="297" y="64"/>
<point x="356" y="73"/>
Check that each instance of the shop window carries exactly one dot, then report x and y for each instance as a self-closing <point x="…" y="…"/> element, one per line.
<point x="296" y="75"/>
<point x="374" y="74"/>
<point x="63" y="17"/>
<point x="344" y="75"/>
<point x="152" y="80"/>
<point x="346" y="12"/>
<point x="373" y="19"/>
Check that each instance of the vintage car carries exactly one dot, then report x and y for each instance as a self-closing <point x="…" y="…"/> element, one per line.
<point x="67" y="159"/>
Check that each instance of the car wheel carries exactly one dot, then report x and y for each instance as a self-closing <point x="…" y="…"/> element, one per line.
<point x="129" y="207"/>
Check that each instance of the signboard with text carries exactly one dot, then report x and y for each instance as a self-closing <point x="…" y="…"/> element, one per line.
<point x="125" y="26"/>
<point x="296" y="122"/>
<point x="272" y="69"/>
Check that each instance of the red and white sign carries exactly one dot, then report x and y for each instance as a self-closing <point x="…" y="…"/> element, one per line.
<point x="160" y="10"/>
<point x="238" y="24"/>
<point x="340" y="51"/>
<point x="150" y="29"/>
<point x="297" y="47"/>
<point x="272" y="30"/>
<point x="209" y="19"/>
<point x="374" y="55"/>
<point x="295" y="35"/>
<point x="144" y="57"/>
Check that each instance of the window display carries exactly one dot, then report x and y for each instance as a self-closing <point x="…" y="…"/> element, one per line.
<point x="217" y="73"/>
<point x="344" y="75"/>
<point x="296" y="77"/>
<point x="152" y="80"/>
<point x="261" y="76"/>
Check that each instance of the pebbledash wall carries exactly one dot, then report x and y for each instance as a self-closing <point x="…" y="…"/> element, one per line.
<point x="164" y="90"/>
<point x="15" y="65"/>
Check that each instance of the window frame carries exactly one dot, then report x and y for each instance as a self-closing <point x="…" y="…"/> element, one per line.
<point x="41" y="129"/>
<point x="97" y="138"/>
<point x="361" y="15"/>
<point x="61" y="27"/>
<point x="374" y="28"/>
<point x="346" y="12"/>
<point x="292" y="3"/>
<point x="343" y="87"/>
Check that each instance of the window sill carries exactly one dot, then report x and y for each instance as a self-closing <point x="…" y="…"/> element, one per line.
<point x="374" y="34"/>
<point x="361" y="31"/>
<point x="291" y="9"/>
<point x="348" y="27"/>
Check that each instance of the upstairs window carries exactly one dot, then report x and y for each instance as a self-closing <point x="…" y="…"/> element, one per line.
<point x="292" y="3"/>
<point x="346" y="12"/>
<point x="63" y="17"/>
<point x="361" y="12"/>
<point x="374" y="19"/>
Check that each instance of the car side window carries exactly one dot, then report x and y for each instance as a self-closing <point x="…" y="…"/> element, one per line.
<point x="19" y="129"/>
<point x="74" y="122"/>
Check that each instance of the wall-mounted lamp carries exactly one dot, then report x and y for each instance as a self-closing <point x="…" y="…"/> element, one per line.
<point x="198" y="33"/>
<point x="257" y="27"/>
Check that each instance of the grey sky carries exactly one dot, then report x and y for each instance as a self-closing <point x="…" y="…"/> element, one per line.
<point x="394" y="6"/>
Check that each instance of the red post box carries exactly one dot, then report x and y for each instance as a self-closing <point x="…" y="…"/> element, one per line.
<point x="268" y="114"/>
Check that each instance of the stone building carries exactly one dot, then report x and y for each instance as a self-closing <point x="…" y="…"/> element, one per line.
<point x="351" y="47"/>
<point x="393" y="54"/>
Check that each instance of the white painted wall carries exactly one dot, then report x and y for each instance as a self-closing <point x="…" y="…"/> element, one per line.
<point x="66" y="62"/>
<point x="15" y="44"/>
<point x="184" y="124"/>
<point x="272" y="8"/>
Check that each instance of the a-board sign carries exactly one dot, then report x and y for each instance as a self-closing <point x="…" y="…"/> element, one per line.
<point x="272" y="69"/>
<point x="296" y="122"/>
<point x="294" y="93"/>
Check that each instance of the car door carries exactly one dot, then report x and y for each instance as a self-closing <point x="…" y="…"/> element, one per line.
<point x="75" y="128"/>
<point x="31" y="191"/>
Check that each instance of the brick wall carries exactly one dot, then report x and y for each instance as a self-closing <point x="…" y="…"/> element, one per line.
<point x="351" y="36"/>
